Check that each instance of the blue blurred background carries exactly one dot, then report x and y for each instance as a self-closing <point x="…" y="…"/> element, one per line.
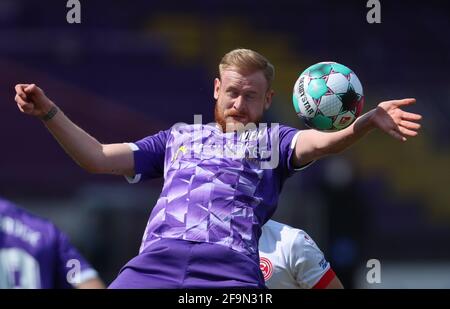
<point x="132" y="68"/>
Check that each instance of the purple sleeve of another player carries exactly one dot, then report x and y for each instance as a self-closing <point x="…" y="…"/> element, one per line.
<point x="71" y="267"/>
<point x="149" y="154"/>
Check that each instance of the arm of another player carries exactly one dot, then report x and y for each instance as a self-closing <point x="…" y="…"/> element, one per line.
<point x="387" y="116"/>
<point x="84" y="149"/>
<point x="309" y="266"/>
<point x="94" y="283"/>
<point x="335" y="284"/>
<point x="71" y="268"/>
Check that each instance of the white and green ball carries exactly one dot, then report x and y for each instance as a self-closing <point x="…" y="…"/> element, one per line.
<point x="328" y="96"/>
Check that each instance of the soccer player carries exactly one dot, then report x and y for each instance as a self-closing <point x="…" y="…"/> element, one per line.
<point x="35" y="254"/>
<point x="219" y="187"/>
<point x="290" y="259"/>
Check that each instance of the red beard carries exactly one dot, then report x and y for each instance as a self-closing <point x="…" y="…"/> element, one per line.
<point x="220" y="118"/>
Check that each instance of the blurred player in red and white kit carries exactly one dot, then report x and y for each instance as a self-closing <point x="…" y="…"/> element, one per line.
<point x="290" y="259"/>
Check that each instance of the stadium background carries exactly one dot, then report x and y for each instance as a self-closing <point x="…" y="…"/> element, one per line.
<point x="133" y="68"/>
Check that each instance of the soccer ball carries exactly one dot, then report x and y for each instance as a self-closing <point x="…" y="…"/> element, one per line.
<point x="328" y="96"/>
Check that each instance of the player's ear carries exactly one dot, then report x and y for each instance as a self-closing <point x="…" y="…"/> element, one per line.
<point x="268" y="99"/>
<point x="216" y="88"/>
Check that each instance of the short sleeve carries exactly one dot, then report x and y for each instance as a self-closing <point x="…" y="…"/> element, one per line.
<point x="288" y="141"/>
<point x="149" y="154"/>
<point x="71" y="267"/>
<point x="307" y="261"/>
<point x="286" y="135"/>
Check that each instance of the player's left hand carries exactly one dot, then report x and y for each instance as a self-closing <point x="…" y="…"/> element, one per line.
<point x="390" y="118"/>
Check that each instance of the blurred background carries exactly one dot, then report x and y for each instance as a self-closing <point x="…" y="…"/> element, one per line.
<point x="132" y="68"/>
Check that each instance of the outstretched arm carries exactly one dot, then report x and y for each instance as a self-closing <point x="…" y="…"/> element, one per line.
<point x="84" y="149"/>
<point x="387" y="116"/>
<point x="94" y="283"/>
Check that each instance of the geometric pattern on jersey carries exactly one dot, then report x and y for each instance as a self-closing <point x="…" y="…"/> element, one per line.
<point x="213" y="198"/>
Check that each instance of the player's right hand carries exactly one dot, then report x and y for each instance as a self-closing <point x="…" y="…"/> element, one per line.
<point x="32" y="100"/>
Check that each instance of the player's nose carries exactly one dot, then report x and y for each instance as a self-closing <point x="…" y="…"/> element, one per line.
<point x="239" y="104"/>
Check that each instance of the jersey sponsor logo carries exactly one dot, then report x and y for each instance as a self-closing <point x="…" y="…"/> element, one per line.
<point x="256" y="144"/>
<point x="266" y="267"/>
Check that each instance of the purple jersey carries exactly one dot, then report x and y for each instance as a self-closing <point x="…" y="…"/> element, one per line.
<point x="218" y="188"/>
<point x="34" y="253"/>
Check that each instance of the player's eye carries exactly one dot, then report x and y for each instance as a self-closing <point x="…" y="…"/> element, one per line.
<point x="250" y="97"/>
<point x="232" y="94"/>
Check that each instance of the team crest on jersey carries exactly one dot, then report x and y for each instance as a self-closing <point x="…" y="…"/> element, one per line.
<point x="266" y="267"/>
